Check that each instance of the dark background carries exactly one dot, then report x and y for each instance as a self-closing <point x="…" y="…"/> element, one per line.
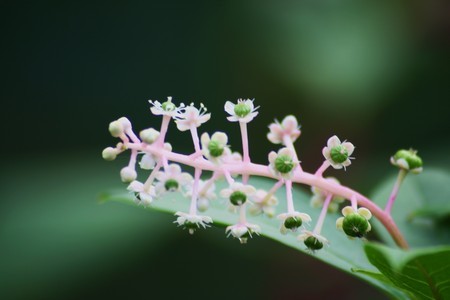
<point x="373" y="72"/>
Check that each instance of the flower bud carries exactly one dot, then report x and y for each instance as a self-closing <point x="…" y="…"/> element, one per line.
<point x="407" y="160"/>
<point x="109" y="153"/>
<point x="128" y="174"/>
<point x="149" y="135"/>
<point x="116" y="128"/>
<point x="125" y="123"/>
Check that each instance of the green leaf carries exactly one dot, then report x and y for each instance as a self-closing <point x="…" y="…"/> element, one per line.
<point x="343" y="253"/>
<point x="425" y="272"/>
<point x="420" y="208"/>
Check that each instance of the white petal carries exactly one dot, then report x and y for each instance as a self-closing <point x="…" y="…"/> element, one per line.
<point x="135" y="186"/>
<point x="233" y="118"/>
<point x="220" y="137"/>
<point x="183" y="125"/>
<point x="274" y="138"/>
<point x="326" y="153"/>
<point x="204" y="118"/>
<point x="402" y="163"/>
<point x="272" y="157"/>
<point x="249" y="103"/>
<point x="365" y="213"/>
<point x="339" y="223"/>
<point x="225" y="193"/>
<point x="205" y="140"/>
<point x="349" y="147"/>
<point x="173" y="170"/>
<point x="333" y="142"/>
<point x="229" y="107"/>
<point x="289" y="123"/>
<point x="248" y="189"/>
<point x="347" y="210"/>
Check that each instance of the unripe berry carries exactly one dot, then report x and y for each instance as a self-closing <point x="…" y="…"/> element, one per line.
<point x="241" y="109"/>
<point x="293" y="223"/>
<point x="284" y="164"/>
<point x="238" y="198"/>
<point x="355" y="225"/>
<point x="313" y="243"/>
<point x="215" y="148"/>
<point x="339" y="154"/>
<point x="171" y="185"/>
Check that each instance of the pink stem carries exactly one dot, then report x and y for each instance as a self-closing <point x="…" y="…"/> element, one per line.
<point x="323" y="214"/>
<point x="288" y="143"/>
<point x="193" y="207"/>
<point x="195" y="139"/>
<point x="163" y="130"/>
<point x="244" y="136"/>
<point x="322" y="168"/>
<point x="152" y="176"/>
<point x="401" y="176"/>
<point x="299" y="177"/>
<point x="289" y="200"/>
<point x="132" y="162"/>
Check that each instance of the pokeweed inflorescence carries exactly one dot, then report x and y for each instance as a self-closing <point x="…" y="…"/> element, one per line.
<point x="212" y="153"/>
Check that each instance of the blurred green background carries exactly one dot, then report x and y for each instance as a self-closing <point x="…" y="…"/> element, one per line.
<point x="373" y="72"/>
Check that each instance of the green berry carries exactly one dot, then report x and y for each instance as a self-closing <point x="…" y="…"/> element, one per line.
<point x="284" y="164"/>
<point x="339" y="154"/>
<point x="168" y="106"/>
<point x="241" y="109"/>
<point x="355" y="225"/>
<point x="313" y="243"/>
<point x="137" y="195"/>
<point x="293" y="223"/>
<point x="215" y="148"/>
<point x="190" y="225"/>
<point x="238" y="198"/>
<point x="171" y="185"/>
<point x="411" y="157"/>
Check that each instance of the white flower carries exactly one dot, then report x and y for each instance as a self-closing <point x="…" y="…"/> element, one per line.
<point x="191" y="116"/>
<point x="291" y="221"/>
<point x="166" y="108"/>
<point x="243" y="231"/>
<point x="172" y="179"/>
<point x="148" y="160"/>
<point x="313" y="241"/>
<point x="144" y="197"/>
<point x="288" y="127"/>
<point x="237" y="193"/>
<point x="337" y="153"/>
<point x="192" y="222"/>
<point x="319" y="197"/>
<point x="204" y="194"/>
<point x="215" y="148"/>
<point x="244" y="111"/>
<point x="263" y="203"/>
<point x="282" y="163"/>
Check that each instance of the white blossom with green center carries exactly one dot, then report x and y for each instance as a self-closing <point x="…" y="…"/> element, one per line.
<point x="288" y="127"/>
<point x="243" y="231"/>
<point x="292" y="221"/>
<point x="243" y="111"/>
<point x="192" y="222"/>
<point x="337" y="153"/>
<point x="215" y="148"/>
<point x="167" y="108"/>
<point x="238" y="193"/>
<point x="142" y="196"/>
<point x="282" y="163"/>
<point x="172" y="179"/>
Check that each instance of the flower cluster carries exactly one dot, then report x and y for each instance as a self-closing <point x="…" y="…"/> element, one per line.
<point x="212" y="153"/>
